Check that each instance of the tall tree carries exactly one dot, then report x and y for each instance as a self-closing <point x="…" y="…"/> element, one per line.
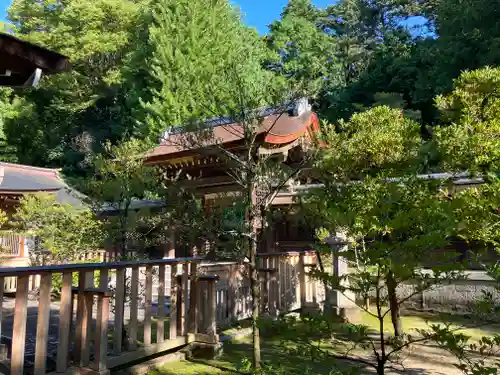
<point x="72" y="113"/>
<point x="209" y="65"/>
<point x="194" y="44"/>
<point x="305" y="53"/>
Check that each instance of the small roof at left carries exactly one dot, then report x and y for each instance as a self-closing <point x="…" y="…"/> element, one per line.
<point x="18" y="179"/>
<point x="22" y="63"/>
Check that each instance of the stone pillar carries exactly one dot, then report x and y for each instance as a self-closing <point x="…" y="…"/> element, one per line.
<point x="341" y="303"/>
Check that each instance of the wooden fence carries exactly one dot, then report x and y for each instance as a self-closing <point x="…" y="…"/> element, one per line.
<point x="164" y="304"/>
<point x="10" y="244"/>
<point x="286" y="285"/>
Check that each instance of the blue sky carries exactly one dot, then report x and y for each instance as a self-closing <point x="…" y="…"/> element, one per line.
<point x="260" y="13"/>
<point x="257" y="13"/>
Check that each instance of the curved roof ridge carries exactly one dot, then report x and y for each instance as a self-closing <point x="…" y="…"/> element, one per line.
<point x="54" y="171"/>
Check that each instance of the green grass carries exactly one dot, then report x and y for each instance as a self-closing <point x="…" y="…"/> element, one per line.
<point x="272" y="351"/>
<point x="237" y="351"/>
<point x="413" y="320"/>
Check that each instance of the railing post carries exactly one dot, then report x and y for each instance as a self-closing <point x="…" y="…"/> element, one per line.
<point x="302" y="280"/>
<point x="193" y="300"/>
<point x="160" y="312"/>
<point x="212" y="306"/>
<point x="3" y="348"/>
<point x="148" y="307"/>
<point x="119" y="302"/>
<point x="173" y="301"/>
<point x="86" y="330"/>
<point x="273" y="297"/>
<point x="19" y="329"/>
<point x="182" y="295"/>
<point x="85" y="279"/>
<point x="264" y="297"/>
<point x="102" y="332"/>
<point x="65" y="318"/>
<point x="212" y="327"/>
<point x="134" y="291"/>
<point x="42" y="326"/>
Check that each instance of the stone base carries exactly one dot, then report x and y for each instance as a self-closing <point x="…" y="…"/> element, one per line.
<point x="4" y="352"/>
<point x="89" y="371"/>
<point x="347" y="314"/>
<point x="310" y="308"/>
<point x="199" y="350"/>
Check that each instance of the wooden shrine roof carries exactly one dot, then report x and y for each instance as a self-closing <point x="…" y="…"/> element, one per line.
<point x="275" y="130"/>
<point x="18" y="179"/>
<point x="21" y="62"/>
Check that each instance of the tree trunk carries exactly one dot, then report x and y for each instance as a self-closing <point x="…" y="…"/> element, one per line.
<point x="252" y="214"/>
<point x="255" y="287"/>
<point x="381" y="367"/>
<point x="394" y="305"/>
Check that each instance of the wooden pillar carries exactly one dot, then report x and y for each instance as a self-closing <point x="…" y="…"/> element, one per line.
<point x="233" y="291"/>
<point x="302" y="280"/>
<point x="148" y="307"/>
<point x="173" y="301"/>
<point x="119" y="302"/>
<point x="82" y="329"/>
<point x="170" y="248"/>
<point x="273" y="293"/>
<point x="65" y="318"/>
<point x="264" y="297"/>
<point x="160" y="326"/>
<point x="3" y="348"/>
<point x="134" y="295"/>
<point x="184" y="296"/>
<point x="86" y="330"/>
<point x="42" y="327"/>
<point x="211" y="302"/>
<point x="19" y="329"/>
<point x="194" y="300"/>
<point x="102" y="331"/>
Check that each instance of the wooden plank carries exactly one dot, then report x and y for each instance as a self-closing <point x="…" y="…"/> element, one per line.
<point x="102" y="317"/>
<point x="148" y="309"/>
<point x="80" y="309"/>
<point x="86" y="330"/>
<point x="119" y="305"/>
<point x="173" y="302"/>
<point x="90" y="267"/>
<point x="42" y="325"/>
<point x="193" y="300"/>
<point x="2" y="280"/>
<point x="302" y="281"/>
<point x="273" y="294"/>
<point x="184" y="319"/>
<point x="19" y="329"/>
<point x="134" y="295"/>
<point x="103" y="279"/>
<point x="150" y="350"/>
<point x="65" y="318"/>
<point x="160" y="328"/>
<point x="212" y="307"/>
<point x="102" y="332"/>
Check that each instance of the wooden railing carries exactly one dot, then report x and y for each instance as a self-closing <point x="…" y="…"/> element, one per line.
<point x="10" y="244"/>
<point x="163" y="304"/>
<point x="286" y="285"/>
<point x="107" y="297"/>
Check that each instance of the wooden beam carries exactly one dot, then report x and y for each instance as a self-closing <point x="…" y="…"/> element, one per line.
<point x="150" y="350"/>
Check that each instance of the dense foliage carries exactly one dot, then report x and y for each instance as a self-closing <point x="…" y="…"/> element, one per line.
<point x="133" y="74"/>
<point x="396" y="97"/>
